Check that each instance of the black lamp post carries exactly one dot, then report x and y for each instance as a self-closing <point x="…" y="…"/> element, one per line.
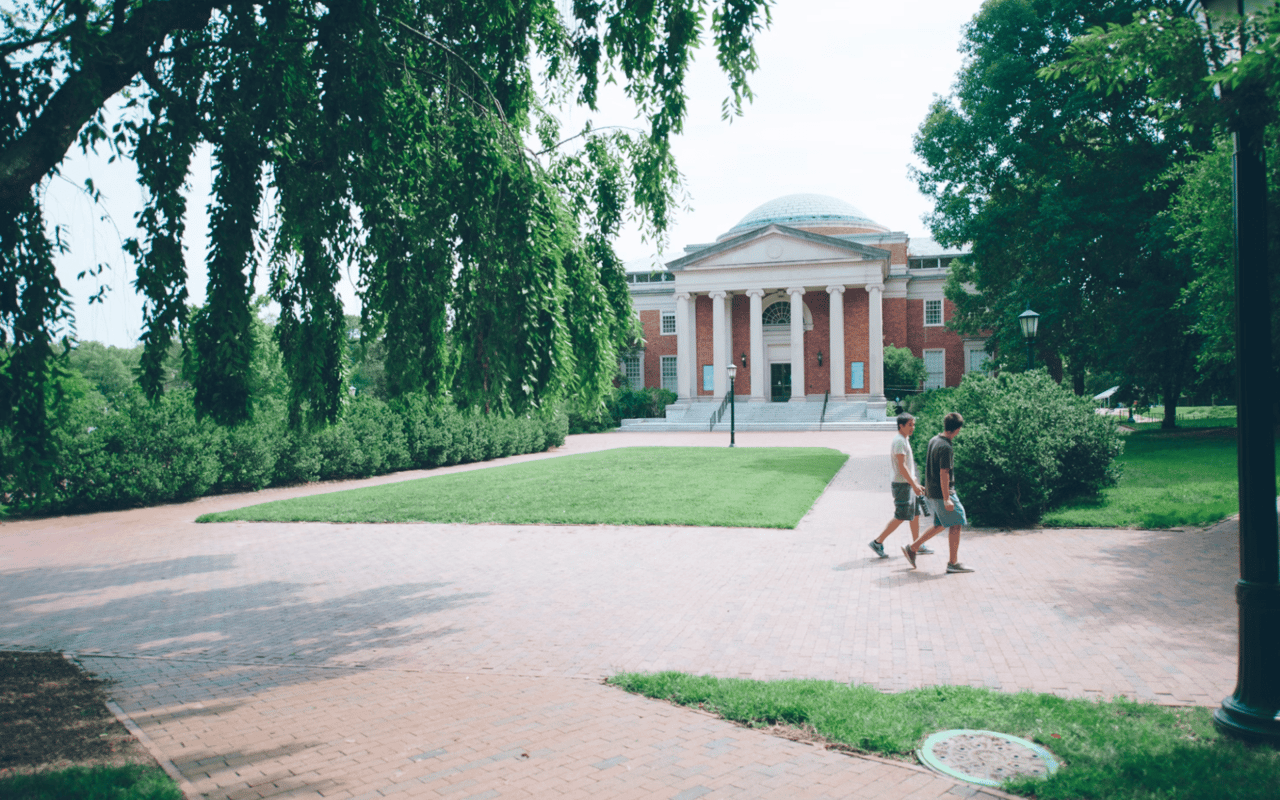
<point x="1253" y="712"/>
<point x="1030" y="322"/>
<point x="733" y="372"/>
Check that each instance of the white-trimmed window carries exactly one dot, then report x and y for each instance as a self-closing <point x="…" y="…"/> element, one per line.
<point x="669" y="381"/>
<point x="935" y="367"/>
<point x="978" y="361"/>
<point x="778" y="313"/>
<point x="932" y="312"/>
<point x="668" y="323"/>
<point x="633" y="368"/>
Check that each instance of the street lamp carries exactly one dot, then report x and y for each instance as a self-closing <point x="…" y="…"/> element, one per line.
<point x="733" y="372"/>
<point x="1253" y="712"/>
<point x="1030" y="322"/>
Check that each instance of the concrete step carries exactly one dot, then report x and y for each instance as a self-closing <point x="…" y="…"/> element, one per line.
<point x="799" y="416"/>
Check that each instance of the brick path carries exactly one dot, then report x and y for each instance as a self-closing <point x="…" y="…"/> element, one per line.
<point x="309" y="660"/>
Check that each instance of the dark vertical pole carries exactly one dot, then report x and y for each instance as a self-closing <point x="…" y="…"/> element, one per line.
<point x="1253" y="712"/>
<point x="732" y="402"/>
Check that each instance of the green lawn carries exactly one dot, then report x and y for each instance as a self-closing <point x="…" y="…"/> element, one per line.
<point x="757" y="487"/>
<point x="132" y="782"/>
<point x="1181" y="477"/>
<point x="1118" y="749"/>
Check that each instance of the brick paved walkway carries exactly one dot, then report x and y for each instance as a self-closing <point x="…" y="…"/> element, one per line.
<point x="309" y="660"/>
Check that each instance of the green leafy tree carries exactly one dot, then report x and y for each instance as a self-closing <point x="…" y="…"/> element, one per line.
<point x="1057" y="189"/>
<point x="903" y="372"/>
<point x="1178" y="62"/>
<point x="404" y="140"/>
<point x="110" y="370"/>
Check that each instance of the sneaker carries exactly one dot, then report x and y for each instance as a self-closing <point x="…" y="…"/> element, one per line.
<point x="924" y="550"/>
<point x="910" y="554"/>
<point x="878" y="549"/>
<point x="958" y="567"/>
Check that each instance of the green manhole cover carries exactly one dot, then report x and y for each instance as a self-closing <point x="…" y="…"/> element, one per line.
<point x="986" y="758"/>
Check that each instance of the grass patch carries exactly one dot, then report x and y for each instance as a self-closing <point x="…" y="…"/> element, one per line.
<point x="130" y="782"/>
<point x="1116" y="749"/>
<point x="757" y="487"/>
<point x="1190" y="417"/>
<point x="1170" y="479"/>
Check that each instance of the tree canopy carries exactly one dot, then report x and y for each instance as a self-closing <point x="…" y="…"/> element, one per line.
<point x="413" y="142"/>
<point x="1059" y="189"/>
<point x="1165" y="54"/>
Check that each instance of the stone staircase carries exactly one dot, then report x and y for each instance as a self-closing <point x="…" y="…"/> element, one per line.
<point x="841" y="415"/>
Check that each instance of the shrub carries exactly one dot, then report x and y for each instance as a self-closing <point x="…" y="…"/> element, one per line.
<point x="647" y="403"/>
<point x="250" y="452"/>
<point x="1027" y="444"/>
<point x="903" y="371"/>
<point x="125" y="451"/>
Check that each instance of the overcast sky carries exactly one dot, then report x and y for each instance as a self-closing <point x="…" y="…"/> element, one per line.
<point x="842" y="88"/>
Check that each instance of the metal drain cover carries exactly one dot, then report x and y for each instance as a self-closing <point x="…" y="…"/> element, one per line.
<point x="986" y="758"/>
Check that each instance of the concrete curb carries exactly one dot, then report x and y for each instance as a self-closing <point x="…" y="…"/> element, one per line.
<point x="184" y="786"/>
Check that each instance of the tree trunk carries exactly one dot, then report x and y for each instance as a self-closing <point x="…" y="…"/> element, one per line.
<point x="117" y="59"/>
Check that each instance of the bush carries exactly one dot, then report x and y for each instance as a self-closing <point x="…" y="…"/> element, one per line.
<point x="903" y="371"/>
<point x="1027" y="445"/>
<point x="124" y="451"/>
<point x="647" y="403"/>
<point x="251" y="451"/>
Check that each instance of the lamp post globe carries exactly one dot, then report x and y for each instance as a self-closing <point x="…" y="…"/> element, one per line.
<point x="733" y="372"/>
<point x="1029" y="321"/>
<point x="1253" y="711"/>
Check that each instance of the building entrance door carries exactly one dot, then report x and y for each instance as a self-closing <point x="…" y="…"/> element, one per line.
<point x="780" y="381"/>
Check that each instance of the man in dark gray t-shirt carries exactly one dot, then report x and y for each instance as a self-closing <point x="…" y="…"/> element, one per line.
<point x="940" y="489"/>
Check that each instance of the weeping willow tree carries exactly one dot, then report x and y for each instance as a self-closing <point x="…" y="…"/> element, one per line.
<point x="413" y="143"/>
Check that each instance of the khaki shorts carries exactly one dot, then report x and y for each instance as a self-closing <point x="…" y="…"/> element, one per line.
<point x="904" y="501"/>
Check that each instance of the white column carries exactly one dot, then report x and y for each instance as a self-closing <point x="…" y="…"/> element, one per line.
<point x="729" y="356"/>
<point x="797" y="343"/>
<point x="685" y="346"/>
<point x="875" y="335"/>
<point x="759" y="369"/>
<point x="718" y="335"/>
<point x="839" y="372"/>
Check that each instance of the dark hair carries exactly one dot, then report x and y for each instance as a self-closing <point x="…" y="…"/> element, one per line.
<point x="904" y="418"/>
<point x="952" y="422"/>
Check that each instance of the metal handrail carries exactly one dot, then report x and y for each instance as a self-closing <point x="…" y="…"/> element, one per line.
<point x="719" y="413"/>
<point x="825" y="397"/>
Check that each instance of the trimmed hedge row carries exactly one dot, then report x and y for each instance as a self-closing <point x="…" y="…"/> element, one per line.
<point x="128" y="452"/>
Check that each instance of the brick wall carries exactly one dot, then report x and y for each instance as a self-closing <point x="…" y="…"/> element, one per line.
<point x="904" y="327"/>
<point x="857" y="319"/>
<point x="656" y="346"/>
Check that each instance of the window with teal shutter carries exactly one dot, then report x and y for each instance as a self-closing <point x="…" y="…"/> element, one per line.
<point x="708" y="381"/>
<point x="855" y="374"/>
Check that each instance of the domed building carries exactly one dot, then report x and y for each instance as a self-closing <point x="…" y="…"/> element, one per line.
<point x="801" y="296"/>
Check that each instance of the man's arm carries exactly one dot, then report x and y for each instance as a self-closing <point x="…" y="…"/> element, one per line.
<point x="944" y="478"/>
<point x="900" y="461"/>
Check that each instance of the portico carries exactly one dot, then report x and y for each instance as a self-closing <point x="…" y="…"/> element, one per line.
<point x="763" y="290"/>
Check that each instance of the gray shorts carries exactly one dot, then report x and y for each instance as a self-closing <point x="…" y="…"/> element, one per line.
<point x="904" y="501"/>
<point x="945" y="518"/>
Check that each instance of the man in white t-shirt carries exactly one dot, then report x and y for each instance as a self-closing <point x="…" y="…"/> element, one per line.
<point x="903" y="483"/>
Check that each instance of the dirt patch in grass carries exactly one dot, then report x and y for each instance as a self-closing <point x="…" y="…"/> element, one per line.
<point x="53" y="715"/>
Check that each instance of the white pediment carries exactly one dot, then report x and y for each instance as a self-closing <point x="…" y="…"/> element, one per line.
<point x="777" y="246"/>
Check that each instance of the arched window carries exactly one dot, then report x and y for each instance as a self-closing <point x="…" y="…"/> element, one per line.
<point x="778" y="313"/>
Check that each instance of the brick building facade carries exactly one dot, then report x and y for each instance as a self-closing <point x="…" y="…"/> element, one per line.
<point x="801" y="296"/>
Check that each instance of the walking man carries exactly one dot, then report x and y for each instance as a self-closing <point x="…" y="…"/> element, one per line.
<point x="940" y="488"/>
<point x="903" y="483"/>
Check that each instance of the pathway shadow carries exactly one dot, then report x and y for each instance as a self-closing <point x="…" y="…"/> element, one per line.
<point x="134" y="610"/>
